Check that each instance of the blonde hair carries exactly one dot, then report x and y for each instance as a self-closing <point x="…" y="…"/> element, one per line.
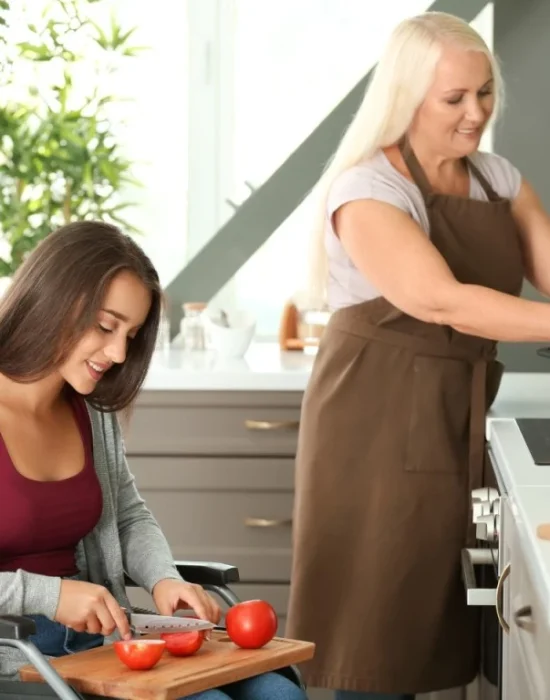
<point x="398" y="87"/>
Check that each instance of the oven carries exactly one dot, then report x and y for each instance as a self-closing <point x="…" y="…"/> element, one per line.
<point x="485" y="567"/>
<point x="481" y="568"/>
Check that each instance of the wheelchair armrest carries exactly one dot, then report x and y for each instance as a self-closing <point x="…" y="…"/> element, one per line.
<point x="204" y="573"/>
<point x="16" y="627"/>
<point x="208" y="573"/>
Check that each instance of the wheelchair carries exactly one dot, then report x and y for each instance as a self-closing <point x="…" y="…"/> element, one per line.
<point x="14" y="632"/>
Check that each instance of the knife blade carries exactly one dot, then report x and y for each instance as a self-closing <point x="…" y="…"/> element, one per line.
<point x="147" y="624"/>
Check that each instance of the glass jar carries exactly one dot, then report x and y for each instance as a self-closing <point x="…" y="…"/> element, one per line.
<point x="192" y="326"/>
<point x="162" y="345"/>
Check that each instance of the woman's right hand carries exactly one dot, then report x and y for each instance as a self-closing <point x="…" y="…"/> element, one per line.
<point x="87" y="607"/>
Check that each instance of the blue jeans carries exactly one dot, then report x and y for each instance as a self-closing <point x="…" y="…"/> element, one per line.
<point x="268" y="686"/>
<point x="54" y="639"/>
<point x="352" y="695"/>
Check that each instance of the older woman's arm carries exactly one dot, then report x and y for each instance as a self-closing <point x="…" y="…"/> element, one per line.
<point x="534" y="224"/>
<point x="397" y="256"/>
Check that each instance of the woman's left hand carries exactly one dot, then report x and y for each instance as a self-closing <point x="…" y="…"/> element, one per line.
<point x="170" y="595"/>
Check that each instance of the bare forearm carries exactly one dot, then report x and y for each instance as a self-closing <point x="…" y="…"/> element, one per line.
<point x="490" y="314"/>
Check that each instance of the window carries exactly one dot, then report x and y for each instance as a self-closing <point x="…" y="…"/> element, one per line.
<point x="156" y="127"/>
<point x="154" y="110"/>
<point x="292" y="63"/>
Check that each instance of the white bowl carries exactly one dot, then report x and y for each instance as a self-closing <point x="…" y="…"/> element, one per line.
<point x="235" y="340"/>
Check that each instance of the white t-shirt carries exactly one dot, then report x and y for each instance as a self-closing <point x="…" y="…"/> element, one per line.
<point x="378" y="179"/>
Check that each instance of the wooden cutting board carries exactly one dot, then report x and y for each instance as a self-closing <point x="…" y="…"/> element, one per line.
<point x="218" y="662"/>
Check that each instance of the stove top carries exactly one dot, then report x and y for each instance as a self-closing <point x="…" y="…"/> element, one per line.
<point x="536" y="433"/>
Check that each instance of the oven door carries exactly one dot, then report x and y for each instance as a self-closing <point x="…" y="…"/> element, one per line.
<point x="480" y="575"/>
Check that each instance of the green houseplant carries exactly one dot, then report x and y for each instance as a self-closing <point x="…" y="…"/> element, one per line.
<point x="60" y="159"/>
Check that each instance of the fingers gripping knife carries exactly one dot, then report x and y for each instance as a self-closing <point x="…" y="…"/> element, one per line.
<point x="141" y="623"/>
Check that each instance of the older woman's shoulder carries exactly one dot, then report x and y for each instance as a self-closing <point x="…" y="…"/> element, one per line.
<point x="373" y="178"/>
<point x="503" y="176"/>
<point x="376" y="167"/>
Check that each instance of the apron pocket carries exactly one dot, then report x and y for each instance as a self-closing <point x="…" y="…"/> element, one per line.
<point x="437" y="440"/>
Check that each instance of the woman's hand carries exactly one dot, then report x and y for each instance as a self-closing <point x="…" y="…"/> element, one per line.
<point x="87" y="607"/>
<point x="171" y="595"/>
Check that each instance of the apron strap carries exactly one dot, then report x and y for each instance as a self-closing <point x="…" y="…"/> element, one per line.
<point x="492" y="196"/>
<point x="476" y="447"/>
<point x="415" y="169"/>
<point x="422" y="182"/>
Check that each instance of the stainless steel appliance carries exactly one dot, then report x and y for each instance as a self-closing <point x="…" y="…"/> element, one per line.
<point x="481" y="573"/>
<point x="485" y="568"/>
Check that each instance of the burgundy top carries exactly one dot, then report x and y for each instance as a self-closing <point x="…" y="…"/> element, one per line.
<point x="41" y="522"/>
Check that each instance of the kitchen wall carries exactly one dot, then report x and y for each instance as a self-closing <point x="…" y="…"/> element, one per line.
<point x="521" y="41"/>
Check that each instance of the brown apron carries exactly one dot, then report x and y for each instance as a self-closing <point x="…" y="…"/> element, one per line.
<point x="391" y="445"/>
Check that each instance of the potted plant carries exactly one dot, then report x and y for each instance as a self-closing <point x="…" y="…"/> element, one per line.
<point x="60" y="158"/>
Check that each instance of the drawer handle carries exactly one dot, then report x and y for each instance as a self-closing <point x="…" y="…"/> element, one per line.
<point x="267" y="522"/>
<point x="500" y="598"/>
<point x="524" y="618"/>
<point x="272" y="424"/>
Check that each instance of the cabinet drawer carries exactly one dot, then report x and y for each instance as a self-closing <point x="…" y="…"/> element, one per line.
<point x="213" y="473"/>
<point x="529" y="629"/>
<point x="213" y="430"/>
<point x="251" y="530"/>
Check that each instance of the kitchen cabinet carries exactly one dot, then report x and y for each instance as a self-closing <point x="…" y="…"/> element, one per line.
<point x="526" y="647"/>
<point x="217" y="470"/>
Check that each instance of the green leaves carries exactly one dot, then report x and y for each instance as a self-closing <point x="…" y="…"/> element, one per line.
<point x="60" y="159"/>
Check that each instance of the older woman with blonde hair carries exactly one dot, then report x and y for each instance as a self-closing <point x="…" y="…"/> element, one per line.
<point x="422" y="247"/>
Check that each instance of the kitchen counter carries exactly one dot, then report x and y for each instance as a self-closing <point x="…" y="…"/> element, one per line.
<point x="263" y="368"/>
<point x="266" y="368"/>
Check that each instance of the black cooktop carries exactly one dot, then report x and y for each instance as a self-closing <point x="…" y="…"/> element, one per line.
<point x="536" y="433"/>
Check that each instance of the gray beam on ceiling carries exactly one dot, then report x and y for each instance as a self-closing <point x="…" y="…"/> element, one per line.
<point x="272" y="203"/>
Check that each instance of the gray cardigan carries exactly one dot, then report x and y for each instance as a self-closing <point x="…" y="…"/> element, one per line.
<point x="127" y="539"/>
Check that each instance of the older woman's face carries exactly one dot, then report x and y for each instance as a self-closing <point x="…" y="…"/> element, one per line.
<point x="458" y="104"/>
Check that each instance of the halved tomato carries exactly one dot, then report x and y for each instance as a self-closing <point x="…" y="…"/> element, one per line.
<point x="183" y="643"/>
<point x="139" y="654"/>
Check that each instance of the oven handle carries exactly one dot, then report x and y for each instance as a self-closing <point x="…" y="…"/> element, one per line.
<point x="476" y="596"/>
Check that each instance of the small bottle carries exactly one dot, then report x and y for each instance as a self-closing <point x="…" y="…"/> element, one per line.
<point x="192" y="326"/>
<point x="162" y="345"/>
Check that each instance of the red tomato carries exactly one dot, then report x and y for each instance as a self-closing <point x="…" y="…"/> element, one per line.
<point x="251" y="624"/>
<point x="139" y="654"/>
<point x="183" y="643"/>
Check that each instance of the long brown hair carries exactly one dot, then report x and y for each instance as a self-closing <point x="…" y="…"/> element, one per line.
<point x="55" y="297"/>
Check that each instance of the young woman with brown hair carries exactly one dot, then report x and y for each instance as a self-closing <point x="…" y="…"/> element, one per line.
<point x="77" y="331"/>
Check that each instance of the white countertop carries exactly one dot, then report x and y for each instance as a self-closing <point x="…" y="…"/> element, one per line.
<point x="266" y="368"/>
<point x="263" y="368"/>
